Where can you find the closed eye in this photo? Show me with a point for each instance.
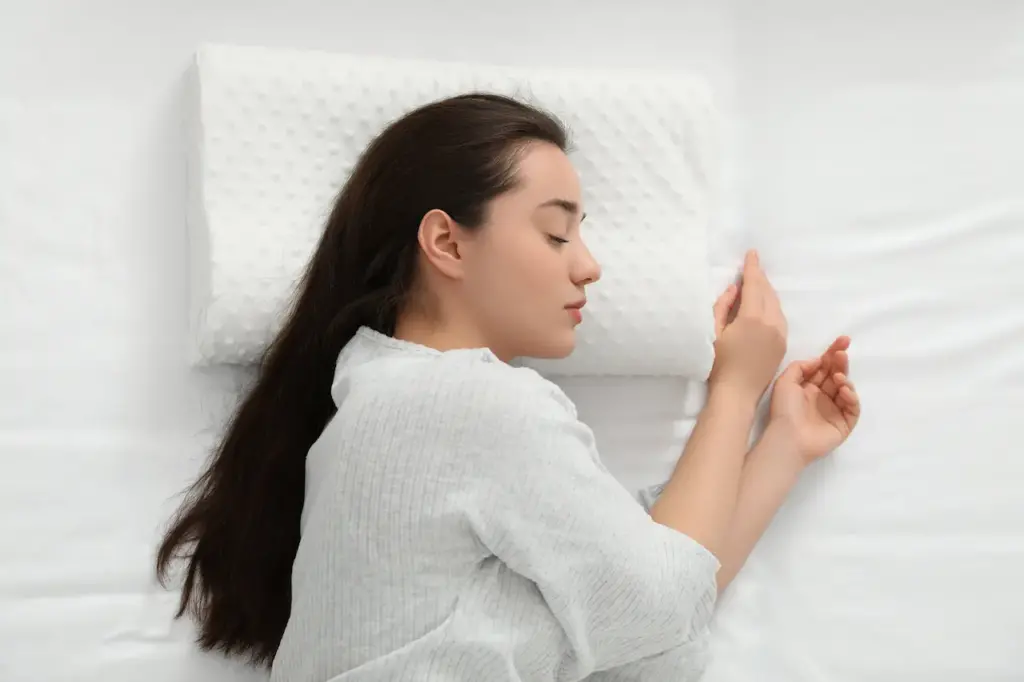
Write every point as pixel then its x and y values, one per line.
pixel 557 240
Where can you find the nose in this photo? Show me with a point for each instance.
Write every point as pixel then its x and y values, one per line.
pixel 587 270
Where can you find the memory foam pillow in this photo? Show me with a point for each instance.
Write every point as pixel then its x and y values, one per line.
pixel 275 134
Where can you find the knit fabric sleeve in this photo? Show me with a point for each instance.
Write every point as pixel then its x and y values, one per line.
pixel 624 588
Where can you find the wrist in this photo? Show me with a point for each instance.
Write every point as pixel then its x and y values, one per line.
pixel 735 410
pixel 781 442
pixel 735 394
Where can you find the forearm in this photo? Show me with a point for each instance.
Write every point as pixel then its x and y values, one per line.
pixel 700 498
pixel 769 474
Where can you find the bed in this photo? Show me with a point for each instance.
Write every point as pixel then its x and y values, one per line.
pixel 877 166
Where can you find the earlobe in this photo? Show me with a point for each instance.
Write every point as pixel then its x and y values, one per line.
pixel 438 237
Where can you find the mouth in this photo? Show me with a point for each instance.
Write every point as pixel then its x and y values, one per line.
pixel 574 311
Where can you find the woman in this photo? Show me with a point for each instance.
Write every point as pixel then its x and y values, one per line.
pixel 393 500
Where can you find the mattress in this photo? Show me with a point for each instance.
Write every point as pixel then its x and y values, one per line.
pixel 878 160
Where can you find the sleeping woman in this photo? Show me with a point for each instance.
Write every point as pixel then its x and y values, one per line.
pixel 395 500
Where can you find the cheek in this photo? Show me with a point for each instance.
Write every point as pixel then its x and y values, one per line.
pixel 516 273
pixel 537 269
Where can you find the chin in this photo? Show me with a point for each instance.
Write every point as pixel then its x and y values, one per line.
pixel 557 346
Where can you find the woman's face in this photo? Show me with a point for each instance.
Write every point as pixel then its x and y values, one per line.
pixel 525 273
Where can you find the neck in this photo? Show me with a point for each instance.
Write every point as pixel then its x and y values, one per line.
pixel 417 328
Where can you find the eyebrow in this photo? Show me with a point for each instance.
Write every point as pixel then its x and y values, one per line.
pixel 570 207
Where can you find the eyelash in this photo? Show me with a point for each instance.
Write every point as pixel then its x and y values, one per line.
pixel 557 240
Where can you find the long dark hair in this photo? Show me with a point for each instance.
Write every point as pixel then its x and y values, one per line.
pixel 238 526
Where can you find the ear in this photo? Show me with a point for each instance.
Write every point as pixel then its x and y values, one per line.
pixel 439 237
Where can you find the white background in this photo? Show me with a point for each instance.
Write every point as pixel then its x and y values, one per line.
pixel 880 158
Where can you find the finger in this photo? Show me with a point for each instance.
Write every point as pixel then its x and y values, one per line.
pixel 832 384
pixel 723 306
pixel 752 299
pixel 751 262
pixel 810 367
pixel 850 401
pixel 798 371
pixel 833 362
pixel 841 362
pixel 766 282
pixel 841 343
pixel 773 308
pixel 824 370
pixel 794 373
pixel 839 358
pixel 771 304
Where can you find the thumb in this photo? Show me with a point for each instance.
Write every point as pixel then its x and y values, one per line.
pixel 722 307
pixel 799 371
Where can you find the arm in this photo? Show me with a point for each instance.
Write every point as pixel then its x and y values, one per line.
pixel 701 496
pixel 768 473
pixel 771 470
pixel 622 587
pixel 814 409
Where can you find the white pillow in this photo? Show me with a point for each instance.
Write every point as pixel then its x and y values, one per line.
pixel 276 132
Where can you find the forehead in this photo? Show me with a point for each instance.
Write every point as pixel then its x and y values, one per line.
pixel 545 172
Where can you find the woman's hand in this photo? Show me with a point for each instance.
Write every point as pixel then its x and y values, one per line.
pixel 750 345
pixel 700 498
pixel 814 405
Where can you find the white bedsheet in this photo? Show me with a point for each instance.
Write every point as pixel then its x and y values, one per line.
pixel 882 167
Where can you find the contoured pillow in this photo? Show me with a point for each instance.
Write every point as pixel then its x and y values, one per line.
pixel 275 133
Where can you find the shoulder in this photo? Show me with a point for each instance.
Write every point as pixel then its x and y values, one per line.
pixel 489 387
pixel 466 383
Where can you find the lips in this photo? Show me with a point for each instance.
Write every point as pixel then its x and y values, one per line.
pixel 574 310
